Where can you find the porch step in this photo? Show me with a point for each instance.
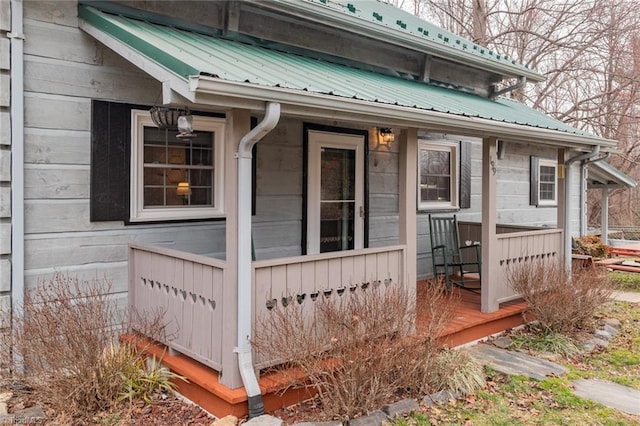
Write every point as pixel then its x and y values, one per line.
pixel 204 388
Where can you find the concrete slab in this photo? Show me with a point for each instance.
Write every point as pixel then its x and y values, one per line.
pixel 610 394
pixel 515 363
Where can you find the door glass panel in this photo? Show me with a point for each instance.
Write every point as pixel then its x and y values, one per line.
pixel 336 226
pixel 337 199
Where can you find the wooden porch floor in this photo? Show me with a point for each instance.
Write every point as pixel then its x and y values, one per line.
pixel 468 324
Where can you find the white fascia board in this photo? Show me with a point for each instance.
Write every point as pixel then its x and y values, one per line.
pixel 155 70
pixel 351 109
pixel 327 16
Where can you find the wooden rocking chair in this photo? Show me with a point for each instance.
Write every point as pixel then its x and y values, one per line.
pixel 451 259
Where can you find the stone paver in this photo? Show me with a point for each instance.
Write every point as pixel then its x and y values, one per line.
pixel 265 420
pixel 610 394
pixel 374 418
pixel 515 363
pixel 626 296
pixel 401 408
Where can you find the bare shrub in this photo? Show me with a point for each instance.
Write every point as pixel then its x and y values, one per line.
pixel 359 350
pixel 65 337
pixel 561 303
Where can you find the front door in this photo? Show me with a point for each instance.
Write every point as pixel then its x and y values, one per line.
pixel 335 200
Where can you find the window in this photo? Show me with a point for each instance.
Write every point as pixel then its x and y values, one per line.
pixel 438 175
pixel 171 178
pixel 544 182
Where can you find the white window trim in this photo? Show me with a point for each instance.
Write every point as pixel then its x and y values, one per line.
pixel 454 149
pixel 141 119
pixel 548 163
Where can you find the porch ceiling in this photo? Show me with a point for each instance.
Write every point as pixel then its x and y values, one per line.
pixel 211 70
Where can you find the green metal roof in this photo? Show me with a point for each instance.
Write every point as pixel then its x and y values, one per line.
pixel 375 14
pixel 188 53
pixel 604 175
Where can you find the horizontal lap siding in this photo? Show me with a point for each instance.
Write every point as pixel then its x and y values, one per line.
pixel 64 70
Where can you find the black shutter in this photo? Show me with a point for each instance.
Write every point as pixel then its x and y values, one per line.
pixel 534 176
pixel 465 175
pixel 110 157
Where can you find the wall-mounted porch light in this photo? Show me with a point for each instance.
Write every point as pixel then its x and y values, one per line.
pixel 385 138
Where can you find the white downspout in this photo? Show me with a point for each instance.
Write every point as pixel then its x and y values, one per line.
pixel 567 207
pixel 245 361
pixel 17 159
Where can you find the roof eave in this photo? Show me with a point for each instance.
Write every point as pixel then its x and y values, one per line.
pixel 349 109
pixel 331 17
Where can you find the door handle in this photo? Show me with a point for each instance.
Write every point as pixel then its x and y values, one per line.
pixel 361 212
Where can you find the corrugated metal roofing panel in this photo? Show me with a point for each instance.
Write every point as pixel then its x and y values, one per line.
pixel 602 174
pixel 387 15
pixel 188 53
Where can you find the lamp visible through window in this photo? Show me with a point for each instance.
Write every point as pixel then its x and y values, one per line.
pixel 183 189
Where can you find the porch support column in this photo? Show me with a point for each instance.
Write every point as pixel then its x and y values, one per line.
pixel 407 203
pixel 489 299
pixel 561 197
pixel 604 216
pixel 563 203
pixel 238 124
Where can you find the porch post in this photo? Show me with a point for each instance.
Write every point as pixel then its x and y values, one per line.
pixel 562 202
pixel 489 302
pixel 604 216
pixel 238 124
pixel 407 185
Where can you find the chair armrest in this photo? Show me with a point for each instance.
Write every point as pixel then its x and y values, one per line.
pixel 470 246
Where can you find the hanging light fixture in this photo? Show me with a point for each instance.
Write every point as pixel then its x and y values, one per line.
pixel 185 126
pixel 165 117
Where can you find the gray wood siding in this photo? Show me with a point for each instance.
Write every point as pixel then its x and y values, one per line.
pixel 277 230
pixel 64 70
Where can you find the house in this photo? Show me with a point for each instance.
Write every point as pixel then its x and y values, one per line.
pixel 293 105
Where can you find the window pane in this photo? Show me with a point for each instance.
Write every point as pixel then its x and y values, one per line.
pixel 337 174
pixel 547 191
pixel 547 183
pixel 169 161
pixel 435 175
pixel 336 226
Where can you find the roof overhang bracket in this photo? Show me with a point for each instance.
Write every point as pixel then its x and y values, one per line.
pixel 231 17
pixel 522 80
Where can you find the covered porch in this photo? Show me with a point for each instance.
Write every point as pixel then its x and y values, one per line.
pixel 211 305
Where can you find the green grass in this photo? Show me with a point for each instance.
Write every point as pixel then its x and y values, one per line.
pixel 626 281
pixel 519 400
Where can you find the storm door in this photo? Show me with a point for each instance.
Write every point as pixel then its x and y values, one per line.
pixel 335 193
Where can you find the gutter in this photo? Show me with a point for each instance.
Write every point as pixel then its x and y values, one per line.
pixel 211 91
pixel 17 160
pixel 567 197
pixel 522 80
pixel 245 361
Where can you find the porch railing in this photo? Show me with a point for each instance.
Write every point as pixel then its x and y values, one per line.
pixel 303 280
pixel 186 289
pixel 515 245
pixel 516 248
